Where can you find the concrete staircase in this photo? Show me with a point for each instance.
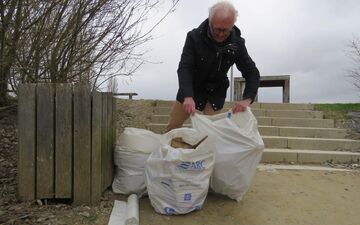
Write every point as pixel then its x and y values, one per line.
pixel 292 133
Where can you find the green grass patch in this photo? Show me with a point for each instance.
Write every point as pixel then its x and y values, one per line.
pixel 337 110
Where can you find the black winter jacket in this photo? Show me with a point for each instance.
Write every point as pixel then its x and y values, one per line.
pixel 204 64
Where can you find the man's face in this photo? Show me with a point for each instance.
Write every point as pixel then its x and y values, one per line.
pixel 220 27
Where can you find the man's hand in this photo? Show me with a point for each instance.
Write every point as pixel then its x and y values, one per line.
pixel 240 106
pixel 189 105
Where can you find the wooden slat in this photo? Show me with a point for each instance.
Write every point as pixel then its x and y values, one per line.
pixel 111 135
pixel 82 146
pixel 96 185
pixel 104 148
pixel 26 140
pixel 109 140
pixel 45 142
pixel 63 141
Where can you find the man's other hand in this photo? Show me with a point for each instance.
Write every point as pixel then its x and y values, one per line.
pixel 189 105
pixel 240 106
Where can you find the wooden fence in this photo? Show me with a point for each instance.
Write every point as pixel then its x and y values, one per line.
pixel 66 141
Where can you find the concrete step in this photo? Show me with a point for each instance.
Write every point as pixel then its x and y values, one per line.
pixel 326 144
pixel 286 106
pixel 309 132
pixel 159 128
pixel 278 106
pixel 262 113
pixel 275 167
pixel 296 122
pixel 270 121
pixel 286 142
pixel 301 156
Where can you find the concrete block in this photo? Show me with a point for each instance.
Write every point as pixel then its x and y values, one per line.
pixel 296 122
pixel 264 121
pixel 259 112
pixel 324 144
pixel 295 114
pixel 278 156
pixel 312 132
pixel 313 156
pixel 286 106
pixel 275 142
pixel 269 130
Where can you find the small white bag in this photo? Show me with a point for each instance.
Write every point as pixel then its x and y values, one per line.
pixel 239 147
pixel 132 149
pixel 178 178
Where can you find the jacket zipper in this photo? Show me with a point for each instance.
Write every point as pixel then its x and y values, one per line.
pixel 217 56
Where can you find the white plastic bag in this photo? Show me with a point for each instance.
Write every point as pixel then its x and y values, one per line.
pixel 239 147
pixel 178 178
pixel 133 148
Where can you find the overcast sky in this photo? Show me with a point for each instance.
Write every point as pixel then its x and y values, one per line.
pixel 306 39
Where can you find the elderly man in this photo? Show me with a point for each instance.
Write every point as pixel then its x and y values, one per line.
pixel 209 51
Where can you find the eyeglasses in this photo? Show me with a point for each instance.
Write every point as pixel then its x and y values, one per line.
pixel 220 30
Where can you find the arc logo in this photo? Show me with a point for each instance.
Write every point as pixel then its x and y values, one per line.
pixel 169 210
pixel 197 165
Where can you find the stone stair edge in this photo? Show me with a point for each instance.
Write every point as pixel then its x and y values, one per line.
pixel 265 109
pixel 266 126
pixel 269 126
pixel 276 118
pixel 309 138
pixel 313 151
pixel 287 137
pixel 309 106
pixel 268 167
pixel 255 103
pixel 308 156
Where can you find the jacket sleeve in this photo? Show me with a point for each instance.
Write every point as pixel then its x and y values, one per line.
pixel 249 71
pixel 187 67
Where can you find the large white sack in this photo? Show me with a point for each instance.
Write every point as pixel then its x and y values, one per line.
pixel 178 178
pixel 132 149
pixel 239 147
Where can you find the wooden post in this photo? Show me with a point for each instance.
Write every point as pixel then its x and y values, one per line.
pixel 45 142
pixel 63 141
pixel 110 139
pixel 96 156
pixel 26 138
pixel 82 146
pixel 104 143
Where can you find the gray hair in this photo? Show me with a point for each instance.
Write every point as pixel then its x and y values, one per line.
pixel 227 9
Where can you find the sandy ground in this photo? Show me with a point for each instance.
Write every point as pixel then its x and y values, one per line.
pixel 276 197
